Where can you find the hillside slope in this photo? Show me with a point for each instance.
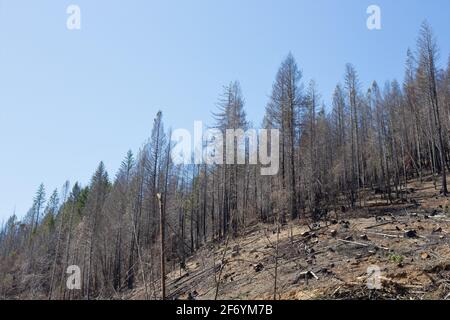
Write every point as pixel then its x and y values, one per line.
pixel 408 242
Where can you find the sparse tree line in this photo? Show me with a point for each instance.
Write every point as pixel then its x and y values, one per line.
pixel 372 141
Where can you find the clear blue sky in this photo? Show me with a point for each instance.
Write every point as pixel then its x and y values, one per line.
pixel 69 99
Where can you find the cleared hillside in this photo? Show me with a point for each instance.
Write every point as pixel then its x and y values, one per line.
pixel 408 241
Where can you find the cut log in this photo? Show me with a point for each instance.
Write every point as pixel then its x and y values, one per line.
pixel 305 276
pixel 363 244
pixel 379 225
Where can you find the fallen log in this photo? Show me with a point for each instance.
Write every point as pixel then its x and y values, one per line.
pixel 353 242
pixel 384 235
pixel 305 276
pixel 379 225
pixel 363 244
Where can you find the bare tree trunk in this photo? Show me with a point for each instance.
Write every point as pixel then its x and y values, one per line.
pixel 162 236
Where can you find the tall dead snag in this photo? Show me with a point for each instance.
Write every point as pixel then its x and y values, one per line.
pixel 58 240
pixel 230 116
pixel 100 187
pixel 163 263
pixel 428 55
pixel 352 86
pixel 283 112
pixel 276 260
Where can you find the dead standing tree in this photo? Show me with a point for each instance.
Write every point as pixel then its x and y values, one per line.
pixel 162 236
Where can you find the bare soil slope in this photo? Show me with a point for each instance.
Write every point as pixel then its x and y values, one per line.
pixel 408 242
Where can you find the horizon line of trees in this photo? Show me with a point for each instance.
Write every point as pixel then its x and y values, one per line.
pixel 372 141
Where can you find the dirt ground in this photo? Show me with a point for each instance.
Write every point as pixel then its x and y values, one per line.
pixel 402 249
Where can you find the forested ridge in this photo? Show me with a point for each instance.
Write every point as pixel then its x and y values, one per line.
pixel 370 140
